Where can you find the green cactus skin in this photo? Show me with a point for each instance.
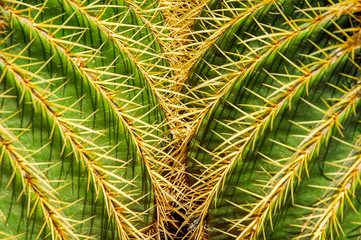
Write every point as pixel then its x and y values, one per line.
pixel 74 105
pixel 255 135
pixel 282 135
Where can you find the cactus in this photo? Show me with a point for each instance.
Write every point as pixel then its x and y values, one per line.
pixel 128 119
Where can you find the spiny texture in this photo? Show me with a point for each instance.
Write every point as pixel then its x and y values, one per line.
pixel 276 155
pixel 78 119
pixel 180 119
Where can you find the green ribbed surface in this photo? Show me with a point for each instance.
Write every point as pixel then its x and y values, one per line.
pixel 94 132
pixel 269 137
pixel 243 39
pixel 74 105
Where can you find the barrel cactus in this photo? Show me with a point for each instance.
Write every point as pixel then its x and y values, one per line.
pixel 161 119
